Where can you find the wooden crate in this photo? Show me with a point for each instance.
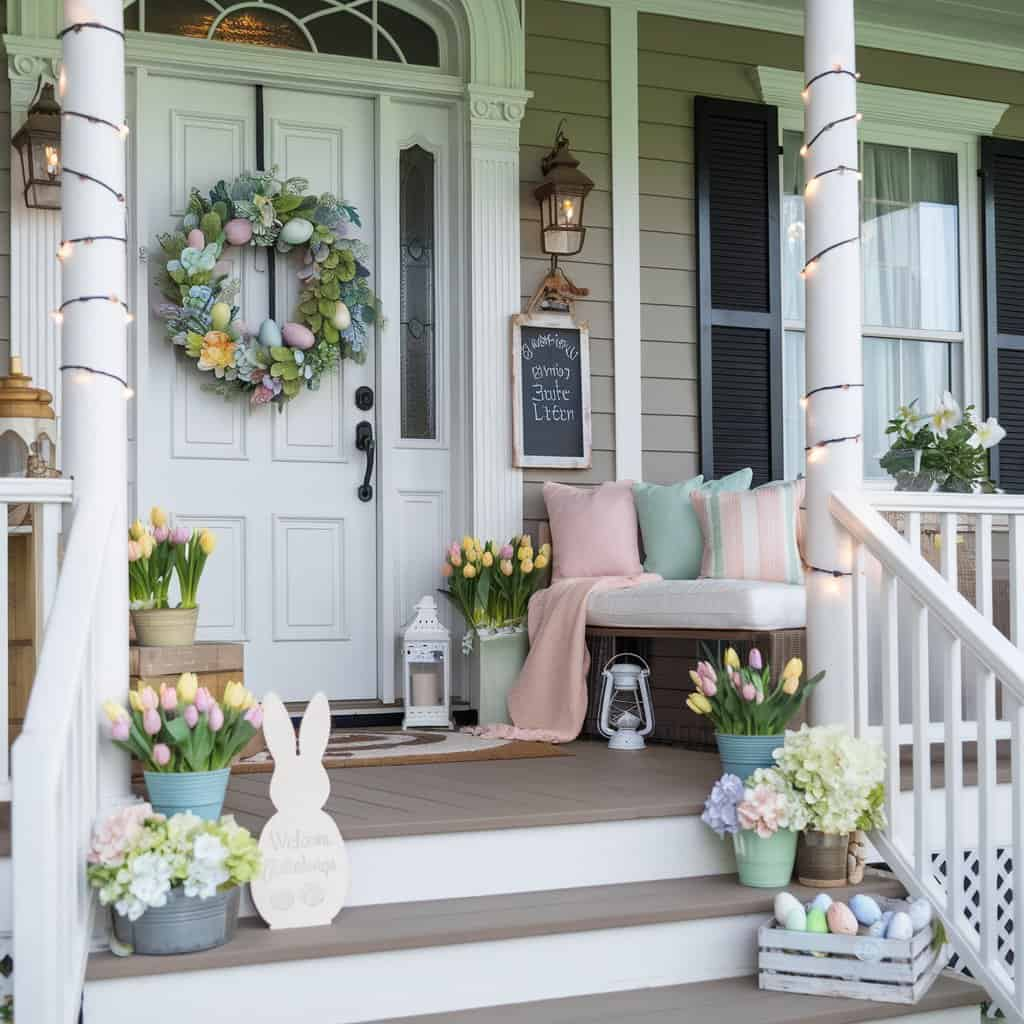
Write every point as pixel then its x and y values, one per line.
pixel 855 966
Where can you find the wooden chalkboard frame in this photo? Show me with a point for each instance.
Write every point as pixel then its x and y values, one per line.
pixel 563 321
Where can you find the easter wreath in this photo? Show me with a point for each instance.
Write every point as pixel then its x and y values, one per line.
pixel 336 306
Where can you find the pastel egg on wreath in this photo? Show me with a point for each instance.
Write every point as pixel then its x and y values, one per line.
pixel 220 315
pixel 238 231
pixel 196 239
pixel 298 336
pixel 296 231
pixel 840 920
pixel 785 902
pixel 269 333
pixel 865 909
pixel 342 318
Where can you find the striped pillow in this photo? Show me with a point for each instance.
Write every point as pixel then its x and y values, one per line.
pixel 751 535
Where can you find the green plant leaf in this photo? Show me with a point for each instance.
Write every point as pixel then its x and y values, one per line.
pixel 282 354
pixel 326 308
pixel 291 387
pixel 330 332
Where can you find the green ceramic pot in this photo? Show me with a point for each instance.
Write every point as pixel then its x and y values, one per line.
pixel 765 863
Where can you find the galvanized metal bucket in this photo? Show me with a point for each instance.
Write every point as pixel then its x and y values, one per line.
pixel 185 924
pixel 202 793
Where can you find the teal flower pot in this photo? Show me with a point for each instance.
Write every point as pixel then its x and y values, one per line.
pixel 202 793
pixel 765 863
pixel 743 755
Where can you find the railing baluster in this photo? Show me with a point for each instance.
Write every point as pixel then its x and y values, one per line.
pixel 983 562
pixel 1015 710
pixel 913 533
pixel 954 775
pixel 922 744
pixel 891 690
pixel 860 642
pixel 948 552
pixel 986 817
pixel 1016 558
pixel 5 742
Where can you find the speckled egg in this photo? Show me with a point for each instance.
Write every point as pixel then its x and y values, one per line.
pixel 342 319
pixel 920 914
pixel 195 239
pixel 238 231
pixel 220 315
pixel 298 336
pixel 269 333
pixel 900 927
pixel 865 909
pixel 796 919
pixel 840 920
pixel 821 902
pixel 296 231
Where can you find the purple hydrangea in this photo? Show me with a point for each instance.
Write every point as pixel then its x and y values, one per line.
pixel 720 807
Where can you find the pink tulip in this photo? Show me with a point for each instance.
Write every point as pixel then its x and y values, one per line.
pixel 507 552
pixel 709 688
pixel 455 550
pixel 737 681
pixel 134 551
pixel 161 754
pixel 151 722
pixel 446 570
pixel 215 719
pixel 180 535
pixel 203 699
pixel 148 698
pixel 120 729
pixel 254 716
pixel 160 534
pixel 168 697
pixel 191 716
pixel 707 670
pixel 754 659
pixel 749 691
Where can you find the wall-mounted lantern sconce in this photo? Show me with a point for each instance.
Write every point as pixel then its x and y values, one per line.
pixel 38 144
pixel 561 196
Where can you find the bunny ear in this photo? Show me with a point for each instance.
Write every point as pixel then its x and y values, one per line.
pixel 277 729
pixel 315 729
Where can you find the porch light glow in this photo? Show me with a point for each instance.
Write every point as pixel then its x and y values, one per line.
pixel 38 144
pixel 561 196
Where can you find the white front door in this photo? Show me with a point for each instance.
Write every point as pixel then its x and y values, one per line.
pixel 295 572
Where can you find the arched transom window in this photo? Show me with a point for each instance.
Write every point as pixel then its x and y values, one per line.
pixel 372 29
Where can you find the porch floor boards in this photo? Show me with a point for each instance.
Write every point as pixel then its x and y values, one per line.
pixel 595 784
pixel 726 1001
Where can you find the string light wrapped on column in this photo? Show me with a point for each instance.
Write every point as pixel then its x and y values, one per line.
pixel 85 372
pixel 66 248
pixel 121 129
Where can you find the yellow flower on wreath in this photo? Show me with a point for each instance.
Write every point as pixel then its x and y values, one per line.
pixel 217 352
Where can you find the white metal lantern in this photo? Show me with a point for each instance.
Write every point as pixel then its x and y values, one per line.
pixel 626 713
pixel 426 669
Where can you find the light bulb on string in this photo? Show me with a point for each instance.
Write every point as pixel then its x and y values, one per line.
pixel 57 316
pixel 127 392
pixel 65 251
pixel 128 317
pixel 123 131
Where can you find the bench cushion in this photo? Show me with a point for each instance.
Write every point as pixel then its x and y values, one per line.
pixel 700 604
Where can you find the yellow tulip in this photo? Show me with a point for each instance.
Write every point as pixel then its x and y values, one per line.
pixel 794 669
pixel 469 571
pixel 790 684
pixel 114 711
pixel 696 680
pixel 234 694
pixel 467 543
pixel 136 530
pixel 248 701
pixel 545 550
pixel 157 516
pixel 527 566
pixel 488 559
pixel 525 541
pixel 133 699
pixel 731 659
pixel 524 552
pixel 506 567
pixel 188 683
pixel 698 703
pixel 207 542
pixel 146 544
pixel 540 561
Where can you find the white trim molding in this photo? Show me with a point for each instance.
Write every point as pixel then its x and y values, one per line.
pixel 882 104
pixel 627 308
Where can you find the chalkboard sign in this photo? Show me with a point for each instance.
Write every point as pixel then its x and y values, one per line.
pixel 551 382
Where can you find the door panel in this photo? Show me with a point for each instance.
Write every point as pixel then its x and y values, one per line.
pixel 294 574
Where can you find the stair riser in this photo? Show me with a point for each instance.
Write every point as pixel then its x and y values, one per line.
pixel 456 864
pixel 345 990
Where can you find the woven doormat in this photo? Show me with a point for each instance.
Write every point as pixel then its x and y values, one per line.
pixel 372 748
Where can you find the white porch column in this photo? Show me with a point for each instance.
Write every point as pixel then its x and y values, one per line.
pixel 93 334
pixel 496 490
pixel 833 347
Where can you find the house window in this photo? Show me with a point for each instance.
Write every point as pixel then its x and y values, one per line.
pixel 357 28
pixel 911 272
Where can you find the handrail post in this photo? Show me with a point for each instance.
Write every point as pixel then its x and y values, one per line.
pixel 94 331
pixel 833 343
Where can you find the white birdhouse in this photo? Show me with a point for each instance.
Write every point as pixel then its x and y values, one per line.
pixel 426 651
pixel 626 713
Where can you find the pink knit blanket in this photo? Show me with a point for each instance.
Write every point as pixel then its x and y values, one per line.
pixel 549 701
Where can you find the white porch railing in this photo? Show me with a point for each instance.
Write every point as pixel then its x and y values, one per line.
pixel 45 498
pixel 55 791
pixel 963 689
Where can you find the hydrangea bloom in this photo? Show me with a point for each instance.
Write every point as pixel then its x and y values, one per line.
pixel 720 807
pixel 113 837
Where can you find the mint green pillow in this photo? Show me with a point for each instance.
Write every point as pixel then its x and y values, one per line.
pixel 673 541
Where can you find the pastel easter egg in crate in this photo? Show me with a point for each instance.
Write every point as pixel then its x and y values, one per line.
pixel 796 919
pixel 920 914
pixel 840 920
pixel 900 927
pixel 865 909
pixel 820 902
pixel 785 902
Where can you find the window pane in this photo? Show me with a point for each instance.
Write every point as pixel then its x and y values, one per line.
pixel 881 399
pixel 415 38
pixel 792 228
pixel 261 28
pixel 910 238
pixel 343 34
pixel 793 413
pixel 419 400
pixel 926 372
pixel 182 18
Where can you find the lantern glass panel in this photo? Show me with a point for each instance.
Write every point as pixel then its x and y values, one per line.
pixel 562 217
pixel 426 680
pixel 40 168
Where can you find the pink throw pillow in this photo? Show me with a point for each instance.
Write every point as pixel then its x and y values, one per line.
pixel 593 531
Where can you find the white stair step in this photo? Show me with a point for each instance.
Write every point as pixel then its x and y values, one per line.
pixel 725 1001
pixel 454 954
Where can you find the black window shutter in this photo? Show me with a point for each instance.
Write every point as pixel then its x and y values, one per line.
pixel 740 287
pixel 1002 166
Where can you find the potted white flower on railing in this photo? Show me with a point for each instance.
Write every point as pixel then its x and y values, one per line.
pixel 945 450
pixel 173 882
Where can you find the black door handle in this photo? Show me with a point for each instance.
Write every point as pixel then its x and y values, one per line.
pixel 366 443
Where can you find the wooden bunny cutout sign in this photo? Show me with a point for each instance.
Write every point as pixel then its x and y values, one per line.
pixel 305 865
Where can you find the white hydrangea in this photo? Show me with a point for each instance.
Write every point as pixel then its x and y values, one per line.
pixel 150 884
pixel 838 778
pixel 207 870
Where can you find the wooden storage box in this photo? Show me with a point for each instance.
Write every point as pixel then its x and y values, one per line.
pixel 855 966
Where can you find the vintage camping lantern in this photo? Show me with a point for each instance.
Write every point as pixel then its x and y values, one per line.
pixel 426 668
pixel 561 196
pixel 626 714
pixel 38 144
pixel 27 426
